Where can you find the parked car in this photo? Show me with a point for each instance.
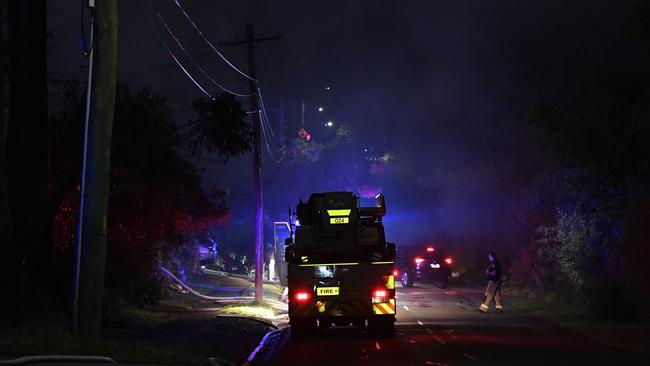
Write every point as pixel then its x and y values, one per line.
pixel 426 264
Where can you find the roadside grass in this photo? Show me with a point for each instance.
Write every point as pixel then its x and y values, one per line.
pixel 53 339
pixel 180 300
pixel 140 336
pixel 628 336
pixel 272 287
pixel 254 309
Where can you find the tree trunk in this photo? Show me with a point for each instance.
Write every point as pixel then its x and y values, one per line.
pixel 93 243
pixel 5 217
pixel 7 260
pixel 26 147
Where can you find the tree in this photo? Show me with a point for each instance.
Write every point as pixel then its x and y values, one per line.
pixel 597 150
pixel 157 203
pixel 28 250
pixel 219 127
pixel 5 217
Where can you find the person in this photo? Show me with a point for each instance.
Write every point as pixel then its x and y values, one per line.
pixel 493 288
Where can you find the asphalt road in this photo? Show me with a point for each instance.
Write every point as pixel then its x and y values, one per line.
pixel 442 327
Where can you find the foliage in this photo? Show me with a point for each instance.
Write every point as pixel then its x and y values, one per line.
pixel 566 245
pixel 595 159
pixel 301 151
pixel 598 170
pixel 638 27
pixel 156 202
pixel 220 127
pixel 317 164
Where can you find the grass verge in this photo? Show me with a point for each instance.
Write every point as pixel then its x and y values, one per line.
pixel 634 337
pixel 253 309
pixel 139 336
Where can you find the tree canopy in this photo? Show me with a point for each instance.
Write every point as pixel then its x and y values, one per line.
pixel 156 202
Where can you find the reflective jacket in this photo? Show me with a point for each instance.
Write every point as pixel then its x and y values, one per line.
pixel 494 267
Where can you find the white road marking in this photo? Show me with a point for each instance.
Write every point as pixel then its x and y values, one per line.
pixel 405 307
pixel 440 340
pixel 470 356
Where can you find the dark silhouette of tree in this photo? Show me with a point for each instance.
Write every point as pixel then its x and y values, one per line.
pixel 219 127
pixel 5 217
pixel 596 161
pixel 27 252
pixel 638 27
pixel 156 203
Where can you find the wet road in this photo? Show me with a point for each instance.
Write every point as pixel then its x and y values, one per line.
pixel 442 327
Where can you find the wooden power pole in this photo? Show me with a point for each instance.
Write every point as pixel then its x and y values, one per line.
pixel 91 263
pixel 250 43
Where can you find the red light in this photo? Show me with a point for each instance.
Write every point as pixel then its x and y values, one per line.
pixel 431 249
pixel 448 260
pixel 302 296
pixel 379 293
pixel 395 273
pixel 419 260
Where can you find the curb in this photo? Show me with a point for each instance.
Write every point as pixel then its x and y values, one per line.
pixel 268 348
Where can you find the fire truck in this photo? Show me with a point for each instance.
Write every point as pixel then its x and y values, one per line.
pixel 340 267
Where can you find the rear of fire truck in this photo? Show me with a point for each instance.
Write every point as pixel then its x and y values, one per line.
pixel 340 268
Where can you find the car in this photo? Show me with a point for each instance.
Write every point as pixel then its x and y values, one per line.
pixel 426 264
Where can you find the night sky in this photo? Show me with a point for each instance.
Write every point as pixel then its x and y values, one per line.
pixel 441 86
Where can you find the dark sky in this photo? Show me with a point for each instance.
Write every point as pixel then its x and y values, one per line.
pixel 443 86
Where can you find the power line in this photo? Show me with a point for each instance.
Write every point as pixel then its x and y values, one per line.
pixel 189 56
pixel 266 124
pixel 267 130
pixel 265 115
pixel 178 62
pixel 187 16
pixel 266 140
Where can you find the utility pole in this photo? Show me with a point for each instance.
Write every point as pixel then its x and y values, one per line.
pixel 91 250
pixel 250 43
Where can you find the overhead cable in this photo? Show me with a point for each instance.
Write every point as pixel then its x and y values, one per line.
pixel 189 56
pixel 266 140
pixel 178 62
pixel 265 115
pixel 187 16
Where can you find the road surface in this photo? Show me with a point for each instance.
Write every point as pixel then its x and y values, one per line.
pixel 442 327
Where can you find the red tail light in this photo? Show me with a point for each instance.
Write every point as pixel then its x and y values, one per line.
pixel 302 296
pixel 448 260
pixel 431 249
pixel 419 260
pixel 395 273
pixel 380 293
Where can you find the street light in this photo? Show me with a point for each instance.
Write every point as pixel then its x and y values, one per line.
pixel 329 123
pixel 320 109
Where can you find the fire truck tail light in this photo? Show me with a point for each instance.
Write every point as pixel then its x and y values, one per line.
pixel 395 273
pixel 302 296
pixel 448 260
pixel 419 260
pixel 379 293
